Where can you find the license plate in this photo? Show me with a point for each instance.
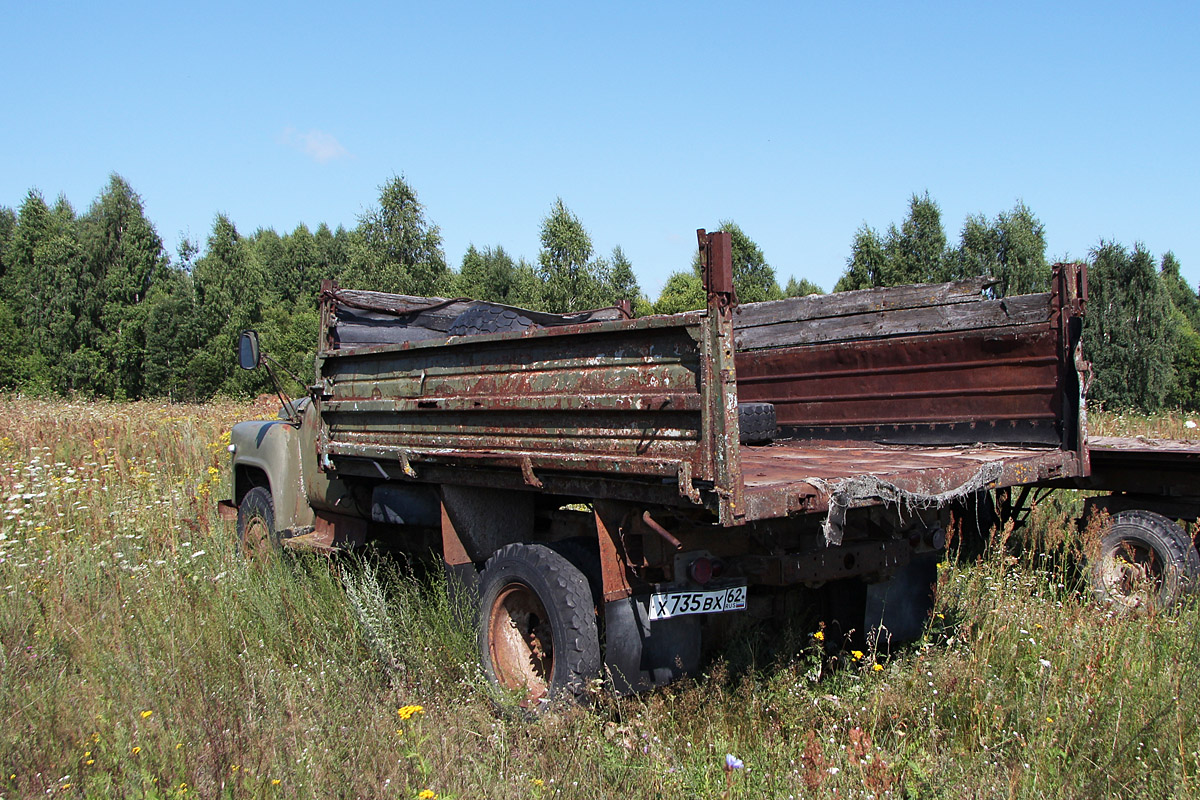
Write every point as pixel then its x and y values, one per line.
pixel 664 605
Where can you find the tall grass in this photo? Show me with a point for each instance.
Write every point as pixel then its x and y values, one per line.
pixel 139 657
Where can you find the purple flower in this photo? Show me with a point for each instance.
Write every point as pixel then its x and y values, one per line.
pixel 732 762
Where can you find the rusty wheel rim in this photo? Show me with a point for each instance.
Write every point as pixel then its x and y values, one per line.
pixel 520 641
pixel 256 539
pixel 1133 574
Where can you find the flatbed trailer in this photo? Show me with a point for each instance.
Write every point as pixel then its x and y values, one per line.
pixel 593 473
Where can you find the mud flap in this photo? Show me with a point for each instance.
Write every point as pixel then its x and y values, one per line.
pixel 897 608
pixel 640 654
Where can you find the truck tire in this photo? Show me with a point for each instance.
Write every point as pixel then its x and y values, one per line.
pixel 537 628
pixel 257 537
pixel 756 423
pixel 1146 562
pixel 487 319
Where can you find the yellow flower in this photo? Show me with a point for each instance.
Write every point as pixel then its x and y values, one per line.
pixel 426 794
pixel 146 714
pixel 179 746
pixel 819 636
pixel 90 761
pixel 878 667
pixel 538 782
pixel 407 712
pixel 857 654
pixel 136 750
pixel 234 768
pixel 275 781
pixel 1049 719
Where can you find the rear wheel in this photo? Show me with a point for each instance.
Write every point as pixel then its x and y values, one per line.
pixel 257 537
pixel 1146 562
pixel 537 626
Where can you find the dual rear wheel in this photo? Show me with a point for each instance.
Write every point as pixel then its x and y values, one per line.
pixel 537 631
pixel 1145 562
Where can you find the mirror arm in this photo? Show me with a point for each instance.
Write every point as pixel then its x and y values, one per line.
pixel 266 361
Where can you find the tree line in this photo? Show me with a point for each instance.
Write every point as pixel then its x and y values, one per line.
pixel 92 304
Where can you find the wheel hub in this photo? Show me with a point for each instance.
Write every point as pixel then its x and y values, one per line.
pixel 521 641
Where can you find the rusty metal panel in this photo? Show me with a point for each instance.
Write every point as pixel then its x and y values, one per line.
pixel 936 364
pixel 802 476
pixel 609 397
pixel 944 378
pixel 719 377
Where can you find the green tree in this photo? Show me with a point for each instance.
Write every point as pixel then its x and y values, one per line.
pixel 1186 322
pixel 396 248
pixel 8 224
pixel 230 292
pixel 867 263
pixel 623 284
pixel 487 274
pixel 45 285
pixel 1128 331
pixel 916 251
pixel 572 280
pixel 125 259
pixel 1011 249
pixel 801 288
pixel 683 291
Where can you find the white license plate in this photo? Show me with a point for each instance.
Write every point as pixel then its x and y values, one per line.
pixel 664 605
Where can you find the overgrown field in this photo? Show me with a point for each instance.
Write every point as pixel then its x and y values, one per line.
pixel 139 657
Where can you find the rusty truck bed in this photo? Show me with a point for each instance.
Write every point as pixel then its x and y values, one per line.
pixel 884 394
pixel 804 476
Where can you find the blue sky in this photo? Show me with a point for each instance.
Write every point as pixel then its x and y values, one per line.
pixel 798 121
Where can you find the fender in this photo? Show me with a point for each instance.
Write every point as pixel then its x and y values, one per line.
pixel 267 453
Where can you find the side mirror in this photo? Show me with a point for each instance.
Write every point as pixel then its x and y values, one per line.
pixel 248 356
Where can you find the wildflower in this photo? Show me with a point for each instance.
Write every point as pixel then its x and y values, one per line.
pixel 136 750
pixel 732 762
pixel 538 782
pixel 275 781
pixel 819 636
pixel 90 761
pixel 878 667
pixel 179 746
pixel 427 794
pixel 1044 663
pixel 407 712
pixel 856 655
pixel 1049 719
pixel 146 714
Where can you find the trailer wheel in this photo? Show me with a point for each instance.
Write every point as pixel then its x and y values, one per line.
pixel 488 319
pixel 257 537
pixel 756 423
pixel 1146 562
pixel 537 625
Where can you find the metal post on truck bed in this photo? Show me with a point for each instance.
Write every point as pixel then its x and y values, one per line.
pixel 719 378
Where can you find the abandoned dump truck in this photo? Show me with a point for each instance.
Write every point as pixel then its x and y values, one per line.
pixel 619 492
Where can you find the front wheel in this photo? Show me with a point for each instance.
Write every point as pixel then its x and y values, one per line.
pixel 257 537
pixel 537 626
pixel 1145 562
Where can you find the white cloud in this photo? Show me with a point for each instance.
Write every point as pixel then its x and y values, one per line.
pixel 317 145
